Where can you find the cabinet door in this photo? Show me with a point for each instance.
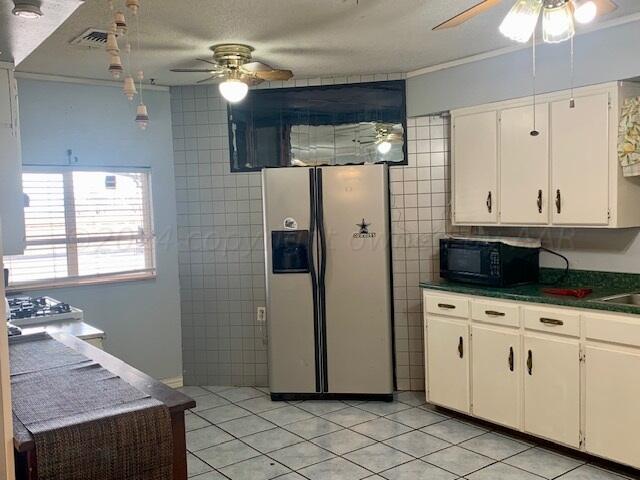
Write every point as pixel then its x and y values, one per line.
pixel 475 168
pixel 524 166
pixel 496 375
pixel 612 393
pixel 6 105
pixel 580 161
pixel 448 362
pixel 11 198
pixel 552 389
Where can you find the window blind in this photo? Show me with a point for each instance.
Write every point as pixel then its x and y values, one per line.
pixel 83 227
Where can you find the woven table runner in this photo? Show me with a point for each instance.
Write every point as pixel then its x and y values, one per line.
pixel 88 424
pixel 48 352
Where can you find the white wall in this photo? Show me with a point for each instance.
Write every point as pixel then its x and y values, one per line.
pixel 587 249
pixel 600 56
pixel 141 319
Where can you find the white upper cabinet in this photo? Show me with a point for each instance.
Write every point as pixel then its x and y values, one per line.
pixel 11 197
pixel 580 160
pixel 6 110
pixel 475 150
pixel 524 173
pixel 568 175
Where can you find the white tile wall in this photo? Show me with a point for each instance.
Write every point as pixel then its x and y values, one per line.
pixel 221 252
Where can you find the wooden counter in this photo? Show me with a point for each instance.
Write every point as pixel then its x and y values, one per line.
pixel 174 400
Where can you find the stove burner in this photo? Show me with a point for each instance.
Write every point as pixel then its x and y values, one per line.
pixel 28 307
pixel 12 330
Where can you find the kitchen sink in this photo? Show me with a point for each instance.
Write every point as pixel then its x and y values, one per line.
pixel 624 299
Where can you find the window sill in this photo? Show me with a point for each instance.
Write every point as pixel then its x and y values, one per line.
pixel 110 279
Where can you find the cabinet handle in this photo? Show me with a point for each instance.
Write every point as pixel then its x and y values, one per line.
pixel 551 321
pixel 539 201
pixel 489 203
pixel 446 306
pixel 511 365
pixel 558 201
pixel 493 313
pixel 530 362
pixel 461 347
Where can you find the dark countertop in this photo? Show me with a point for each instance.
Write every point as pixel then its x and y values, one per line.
pixel 604 284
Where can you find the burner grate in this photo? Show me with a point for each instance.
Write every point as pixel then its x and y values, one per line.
pixel 30 307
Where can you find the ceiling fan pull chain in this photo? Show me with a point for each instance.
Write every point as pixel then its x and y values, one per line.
pixel 534 132
pixel 572 102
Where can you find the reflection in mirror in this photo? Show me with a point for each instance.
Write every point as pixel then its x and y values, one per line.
pixel 319 125
pixel 365 142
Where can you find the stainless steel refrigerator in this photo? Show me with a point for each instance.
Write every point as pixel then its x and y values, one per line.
pixel 327 247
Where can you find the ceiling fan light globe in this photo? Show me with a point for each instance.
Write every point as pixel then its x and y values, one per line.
pixel 557 24
pixel 585 11
pixel 521 20
pixel 384 147
pixel 233 90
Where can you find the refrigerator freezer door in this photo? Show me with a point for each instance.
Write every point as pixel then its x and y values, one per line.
pixel 357 281
pixel 290 300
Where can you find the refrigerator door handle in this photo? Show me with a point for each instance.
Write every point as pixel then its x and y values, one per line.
pixel 312 270
pixel 321 276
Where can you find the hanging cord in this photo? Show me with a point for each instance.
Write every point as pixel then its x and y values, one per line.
pixel 534 132
pixel 138 54
pixel 564 274
pixel 572 102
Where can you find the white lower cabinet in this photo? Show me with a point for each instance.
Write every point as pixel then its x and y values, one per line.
pixel 552 388
pixel 568 375
pixel 612 392
pixel 496 374
pixel 448 361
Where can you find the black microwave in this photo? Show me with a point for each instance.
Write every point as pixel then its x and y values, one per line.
pixel 490 261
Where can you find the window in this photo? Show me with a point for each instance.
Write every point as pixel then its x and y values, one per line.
pixel 84 226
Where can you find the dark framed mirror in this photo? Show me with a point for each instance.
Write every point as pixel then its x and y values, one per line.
pixel 346 124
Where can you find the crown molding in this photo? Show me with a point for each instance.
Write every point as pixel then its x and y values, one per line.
pixel 634 17
pixel 83 81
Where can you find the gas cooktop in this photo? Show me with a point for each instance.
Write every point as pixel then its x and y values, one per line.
pixel 28 310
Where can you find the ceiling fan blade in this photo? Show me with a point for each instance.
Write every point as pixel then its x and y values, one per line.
pixel 251 80
pixel 468 14
pixel 272 75
pixel 208 79
pixel 193 70
pixel 208 61
pixel 605 6
pixel 256 67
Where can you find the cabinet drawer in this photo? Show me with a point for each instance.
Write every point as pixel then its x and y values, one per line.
pixel 607 328
pixel 450 306
pixel 496 313
pixel 552 321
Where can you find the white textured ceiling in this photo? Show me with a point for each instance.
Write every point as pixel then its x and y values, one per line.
pixel 19 37
pixel 311 37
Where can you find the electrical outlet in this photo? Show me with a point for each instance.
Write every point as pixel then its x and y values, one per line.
pixel 261 314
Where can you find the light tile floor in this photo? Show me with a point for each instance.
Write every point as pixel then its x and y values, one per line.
pixel 240 434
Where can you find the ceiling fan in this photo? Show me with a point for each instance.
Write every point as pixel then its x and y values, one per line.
pixel 232 64
pixel 520 22
pixel 386 135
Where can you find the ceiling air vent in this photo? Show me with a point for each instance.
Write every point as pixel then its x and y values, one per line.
pixel 91 38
